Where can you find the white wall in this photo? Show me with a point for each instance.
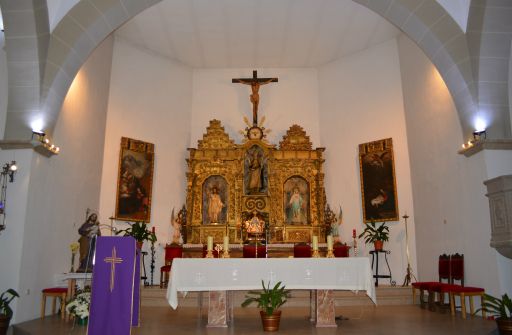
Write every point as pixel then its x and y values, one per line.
pixel 451 210
pixel 292 100
pixel 458 10
pixel 63 186
pixel 3 86
pixel 150 98
pixel 360 99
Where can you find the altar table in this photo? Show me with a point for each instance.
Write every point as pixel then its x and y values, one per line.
pixel 218 275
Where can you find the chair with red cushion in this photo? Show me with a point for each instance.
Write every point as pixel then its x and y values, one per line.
pixel 463 292
pixel 54 292
pixel 171 252
pixel 301 250
pixel 443 269
pixel 340 250
pixel 249 251
pixel 457 269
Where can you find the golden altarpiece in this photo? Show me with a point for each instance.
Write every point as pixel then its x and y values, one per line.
pixel 230 184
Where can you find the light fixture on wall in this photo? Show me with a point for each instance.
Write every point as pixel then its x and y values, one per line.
pixel 44 147
pixel 479 135
pixel 6 175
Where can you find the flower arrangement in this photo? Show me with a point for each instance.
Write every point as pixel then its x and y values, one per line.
pixel 79 305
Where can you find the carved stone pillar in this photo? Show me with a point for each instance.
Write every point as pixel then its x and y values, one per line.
pixel 499 192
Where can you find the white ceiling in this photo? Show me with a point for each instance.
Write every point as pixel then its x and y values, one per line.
pixel 256 33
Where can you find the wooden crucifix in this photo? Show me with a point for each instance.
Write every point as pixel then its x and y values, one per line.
pixel 255 83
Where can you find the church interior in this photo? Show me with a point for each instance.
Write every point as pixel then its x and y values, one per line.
pixel 432 77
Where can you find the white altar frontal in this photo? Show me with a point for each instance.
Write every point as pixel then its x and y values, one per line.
pixel 218 275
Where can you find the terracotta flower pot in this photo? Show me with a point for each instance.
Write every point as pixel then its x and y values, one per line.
pixel 4 324
pixel 270 322
pixel 504 326
pixel 379 245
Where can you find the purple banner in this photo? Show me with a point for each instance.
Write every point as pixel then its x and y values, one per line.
pixel 136 291
pixel 112 286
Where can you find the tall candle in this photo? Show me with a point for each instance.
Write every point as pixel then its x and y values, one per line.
pixel 329 242
pixel 315 242
pixel 226 243
pixel 209 244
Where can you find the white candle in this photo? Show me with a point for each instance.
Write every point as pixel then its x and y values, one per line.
pixel 315 242
pixel 226 243
pixel 329 242
pixel 209 244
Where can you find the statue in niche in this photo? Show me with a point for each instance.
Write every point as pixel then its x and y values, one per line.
pixel 296 201
pixel 215 190
pixel 255 176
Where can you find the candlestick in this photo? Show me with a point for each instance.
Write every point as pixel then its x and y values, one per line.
pixel 329 242
pixel 209 247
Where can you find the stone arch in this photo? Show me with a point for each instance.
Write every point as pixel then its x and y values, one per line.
pixel 90 21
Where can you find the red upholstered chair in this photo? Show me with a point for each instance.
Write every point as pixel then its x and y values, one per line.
pixel 340 250
pixel 249 251
pixel 54 292
pixel 171 252
pixel 463 292
pixel 301 250
pixel 457 269
pixel 443 269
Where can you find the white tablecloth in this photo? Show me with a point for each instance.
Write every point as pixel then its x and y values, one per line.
pixel 227 274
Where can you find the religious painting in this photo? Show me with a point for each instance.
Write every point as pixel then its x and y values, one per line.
pixel 135 180
pixel 215 200
pixel 296 201
pixel 378 185
pixel 255 171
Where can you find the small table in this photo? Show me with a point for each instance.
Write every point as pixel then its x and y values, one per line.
pixel 375 260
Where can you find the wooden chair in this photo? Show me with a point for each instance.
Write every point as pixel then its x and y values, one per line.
pixel 457 269
pixel 463 292
pixel 443 269
pixel 171 252
pixel 54 292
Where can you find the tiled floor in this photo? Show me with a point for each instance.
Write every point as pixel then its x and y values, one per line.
pixel 381 320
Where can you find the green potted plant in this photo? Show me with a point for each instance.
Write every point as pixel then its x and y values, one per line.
pixel 501 309
pixel 269 300
pixel 140 232
pixel 5 310
pixel 375 234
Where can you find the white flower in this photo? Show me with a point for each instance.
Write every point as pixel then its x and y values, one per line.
pixel 79 306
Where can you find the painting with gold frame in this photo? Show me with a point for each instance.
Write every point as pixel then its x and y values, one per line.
pixel 135 180
pixel 378 183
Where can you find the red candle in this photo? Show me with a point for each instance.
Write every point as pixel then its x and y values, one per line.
pixel 153 230
pixel 353 233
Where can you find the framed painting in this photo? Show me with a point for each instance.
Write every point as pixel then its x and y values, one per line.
pixel 215 200
pixel 378 184
pixel 296 201
pixel 135 180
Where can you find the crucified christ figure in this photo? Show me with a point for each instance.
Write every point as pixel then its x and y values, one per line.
pixel 255 84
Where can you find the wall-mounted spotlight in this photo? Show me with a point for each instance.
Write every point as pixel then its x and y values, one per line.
pixel 45 147
pixel 9 170
pixel 479 135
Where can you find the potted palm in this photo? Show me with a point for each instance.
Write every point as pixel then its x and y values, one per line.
pixel 5 310
pixel 269 300
pixel 140 232
pixel 375 234
pixel 501 309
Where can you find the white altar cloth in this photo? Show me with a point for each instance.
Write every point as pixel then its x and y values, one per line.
pixel 227 274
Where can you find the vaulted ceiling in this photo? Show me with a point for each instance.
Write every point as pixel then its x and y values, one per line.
pixel 248 33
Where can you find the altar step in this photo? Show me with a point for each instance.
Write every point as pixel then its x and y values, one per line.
pixel 386 295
